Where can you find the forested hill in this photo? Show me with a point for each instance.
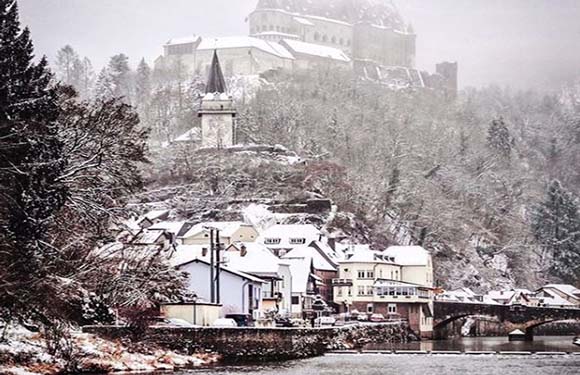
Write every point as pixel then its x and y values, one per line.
pixel 487 182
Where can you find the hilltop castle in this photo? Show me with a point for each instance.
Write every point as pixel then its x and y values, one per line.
pixel 367 36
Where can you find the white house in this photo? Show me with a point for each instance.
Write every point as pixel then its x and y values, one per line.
pixel 257 260
pixel 230 232
pixel 240 293
pixel 304 285
pixel 281 238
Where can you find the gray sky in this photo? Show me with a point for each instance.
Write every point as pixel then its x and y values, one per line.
pixel 520 43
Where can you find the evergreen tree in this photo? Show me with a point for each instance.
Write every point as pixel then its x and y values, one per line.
pixel 68 66
pixel 30 164
pixel 105 87
pixel 556 225
pixel 87 78
pixel 499 138
pixel 143 84
pixel 120 73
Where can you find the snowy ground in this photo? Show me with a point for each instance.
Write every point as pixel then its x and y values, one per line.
pixel 25 353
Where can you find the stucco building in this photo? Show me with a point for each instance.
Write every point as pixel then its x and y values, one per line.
pixel 397 283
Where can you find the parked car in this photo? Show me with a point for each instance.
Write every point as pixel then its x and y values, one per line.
pixel 362 317
pixel 284 322
pixel 324 321
pixel 377 318
pixel 224 322
pixel 242 320
pixel 162 322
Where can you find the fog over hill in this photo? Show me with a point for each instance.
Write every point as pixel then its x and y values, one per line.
pixel 520 43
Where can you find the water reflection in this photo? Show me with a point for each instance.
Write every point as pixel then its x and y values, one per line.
pixel 373 364
pixel 540 344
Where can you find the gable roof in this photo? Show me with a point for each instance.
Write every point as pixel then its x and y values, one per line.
pixel 240 274
pixel 226 228
pixel 300 270
pixel 285 232
pixel 567 289
pixel 408 255
pixel 317 50
pixel 271 48
pixel 319 261
pixel 258 260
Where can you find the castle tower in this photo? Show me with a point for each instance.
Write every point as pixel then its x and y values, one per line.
pixel 217 110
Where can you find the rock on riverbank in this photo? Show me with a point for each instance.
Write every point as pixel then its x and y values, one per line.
pixel 26 352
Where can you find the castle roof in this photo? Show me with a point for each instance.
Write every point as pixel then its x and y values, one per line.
pixel 215 81
pixel 378 12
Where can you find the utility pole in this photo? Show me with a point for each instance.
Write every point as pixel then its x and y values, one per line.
pixel 211 267
pixel 218 266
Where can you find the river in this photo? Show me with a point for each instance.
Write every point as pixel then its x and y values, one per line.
pixel 436 364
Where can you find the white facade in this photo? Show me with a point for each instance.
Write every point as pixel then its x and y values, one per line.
pixel 240 293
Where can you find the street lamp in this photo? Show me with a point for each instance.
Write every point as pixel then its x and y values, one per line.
pixel 194 299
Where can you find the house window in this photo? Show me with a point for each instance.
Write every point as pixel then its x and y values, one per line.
pixel 339 291
pixel 349 291
pixel 341 41
pixel 297 241
pixel 392 308
pixel 361 290
pixel 370 308
pixel 324 38
pixel 369 290
pixel 370 274
pixel 396 275
pixel 361 274
pixel 272 241
pixel 333 40
pixel 316 36
pixel 295 300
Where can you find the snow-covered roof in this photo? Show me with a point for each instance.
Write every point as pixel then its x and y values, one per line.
pixel 300 271
pixel 550 298
pixel 277 33
pixel 185 254
pixel 148 237
pixel 303 21
pixel 245 42
pixel 570 290
pixel 408 255
pixel 183 40
pixel 173 227
pixel 365 255
pixel 257 261
pixel 501 295
pixel 300 47
pixel 193 134
pixel 285 236
pixel 320 263
pixel 226 228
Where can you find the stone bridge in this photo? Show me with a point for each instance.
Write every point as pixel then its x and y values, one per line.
pixel 521 317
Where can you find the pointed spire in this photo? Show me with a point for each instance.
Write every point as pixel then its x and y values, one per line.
pixel 215 81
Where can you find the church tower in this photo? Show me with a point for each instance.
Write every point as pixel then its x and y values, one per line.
pixel 217 110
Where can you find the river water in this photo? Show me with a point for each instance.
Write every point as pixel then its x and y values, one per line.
pixel 430 364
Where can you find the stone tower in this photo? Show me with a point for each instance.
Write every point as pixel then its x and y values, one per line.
pixel 217 110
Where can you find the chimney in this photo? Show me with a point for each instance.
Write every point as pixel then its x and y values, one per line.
pixel 243 250
pixel 332 242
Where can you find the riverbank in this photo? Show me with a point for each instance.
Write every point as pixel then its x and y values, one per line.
pixel 260 344
pixel 27 353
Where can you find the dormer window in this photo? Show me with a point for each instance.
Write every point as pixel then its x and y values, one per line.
pixel 272 241
pixel 297 241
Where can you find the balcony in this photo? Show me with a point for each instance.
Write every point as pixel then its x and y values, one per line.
pixel 271 296
pixel 341 282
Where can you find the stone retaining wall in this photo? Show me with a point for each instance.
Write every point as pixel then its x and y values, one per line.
pixel 260 344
